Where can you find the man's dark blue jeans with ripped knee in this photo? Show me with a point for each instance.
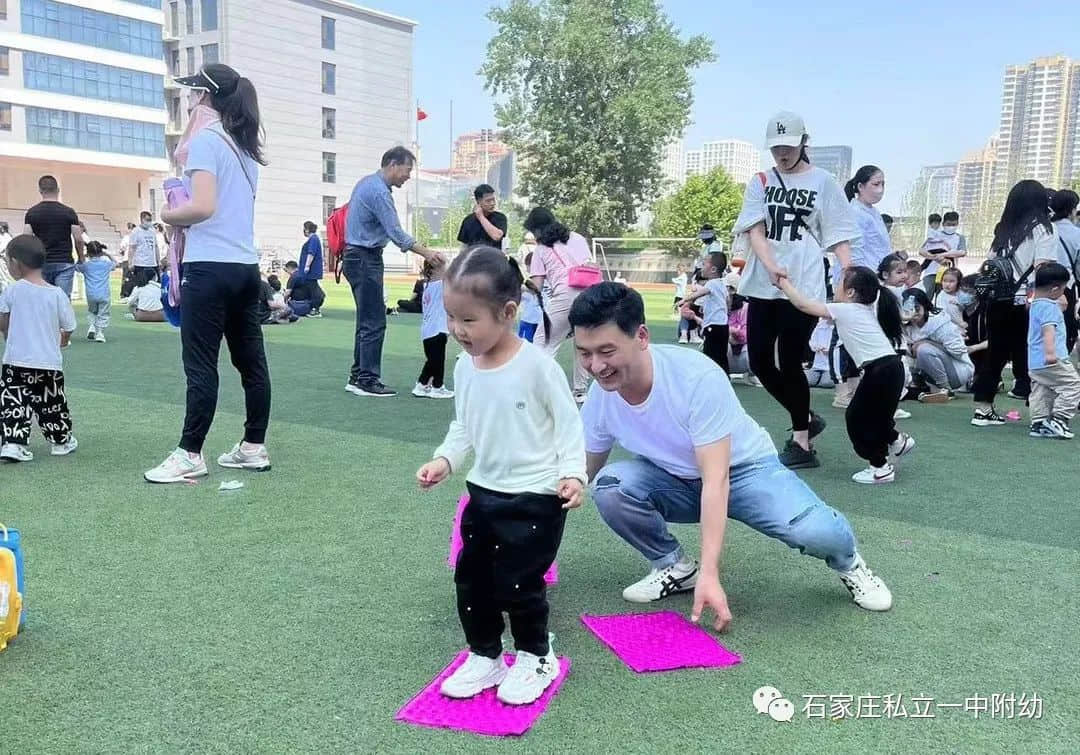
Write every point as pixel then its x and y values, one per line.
pixel 637 499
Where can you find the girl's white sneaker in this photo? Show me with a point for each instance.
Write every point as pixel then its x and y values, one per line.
pixel 529 677
pixel 474 676
pixel 63 449
pixel 875 475
pixel 422 391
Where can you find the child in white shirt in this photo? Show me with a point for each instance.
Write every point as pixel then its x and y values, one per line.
pixel 433 333
pixel 513 408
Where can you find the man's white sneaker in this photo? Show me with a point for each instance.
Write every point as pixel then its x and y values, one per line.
pixel 441 392
pixel 63 449
pixel 474 676
pixel 99 337
pixel 422 391
pixel 866 588
pixel 901 414
pixel 177 467
pixel 529 677
pixel 660 583
pixel 875 475
pixel 257 460
pixel 902 446
pixel 15 453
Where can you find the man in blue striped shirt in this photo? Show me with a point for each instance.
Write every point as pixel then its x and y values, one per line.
pixel 371 222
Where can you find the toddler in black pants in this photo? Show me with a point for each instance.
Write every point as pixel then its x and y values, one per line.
pixel 514 410
pixel 433 333
pixel 713 297
pixel 868 322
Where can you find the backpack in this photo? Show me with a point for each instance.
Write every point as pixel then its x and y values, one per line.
pixel 335 240
pixel 10 596
pixel 996 279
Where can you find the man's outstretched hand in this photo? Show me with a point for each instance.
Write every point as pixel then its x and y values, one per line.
pixel 709 594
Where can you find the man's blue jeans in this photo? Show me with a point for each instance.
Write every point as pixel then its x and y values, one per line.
pixel 59 274
pixel 363 268
pixel 637 499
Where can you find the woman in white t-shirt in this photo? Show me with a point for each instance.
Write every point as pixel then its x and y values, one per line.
pixel 1064 205
pixel 794 214
pixel 557 250
pixel 864 190
pixel 1026 235
pixel 221 280
pixel 869 324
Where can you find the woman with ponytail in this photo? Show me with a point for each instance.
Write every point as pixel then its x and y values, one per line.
pixel 221 278
pixel 869 325
pixel 864 190
pixel 794 215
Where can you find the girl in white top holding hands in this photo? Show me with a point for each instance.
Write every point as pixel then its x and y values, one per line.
pixel 794 214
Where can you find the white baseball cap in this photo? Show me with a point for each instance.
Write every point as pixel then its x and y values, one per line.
pixel 784 129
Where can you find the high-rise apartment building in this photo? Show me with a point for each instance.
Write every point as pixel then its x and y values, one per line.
pixel 672 166
pixel 835 159
pixel 739 159
pixel 939 187
pixel 82 98
pixel 692 159
pixel 476 152
pixel 975 179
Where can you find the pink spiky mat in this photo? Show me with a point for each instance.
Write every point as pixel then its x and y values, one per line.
pixel 551 576
pixel 661 641
pixel 483 714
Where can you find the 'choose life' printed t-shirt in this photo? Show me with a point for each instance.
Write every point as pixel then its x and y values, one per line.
pixel 813 206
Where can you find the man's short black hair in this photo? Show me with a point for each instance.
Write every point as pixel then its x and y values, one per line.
pixel 48 185
pixel 145 215
pixel 397 156
pixel 606 303
pixel 1051 274
pixel 950 217
pixel 482 191
pixel 131 226
pixel 310 226
pixel 934 218
pixel 291 265
pixel 28 250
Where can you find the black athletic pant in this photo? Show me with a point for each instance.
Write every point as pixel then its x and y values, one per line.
pixel 435 364
pixel 716 345
pixel 847 367
pixel 775 328
pixel 509 541
pixel 1008 326
pixel 222 299
pixel 1071 326
pixel 869 417
pixel 26 392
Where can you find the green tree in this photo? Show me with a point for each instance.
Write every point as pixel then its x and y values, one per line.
pixel 589 93
pixel 712 198
pixel 423 230
pixel 452 222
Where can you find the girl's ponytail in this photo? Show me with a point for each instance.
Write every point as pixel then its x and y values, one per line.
pixel 851 189
pixel 888 315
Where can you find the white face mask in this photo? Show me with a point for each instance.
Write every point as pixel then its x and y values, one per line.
pixel 949 229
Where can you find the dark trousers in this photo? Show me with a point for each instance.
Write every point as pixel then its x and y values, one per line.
pixel 1008 325
pixel 869 417
pixel 363 268
pixel 435 361
pixel 716 345
pixel 26 392
pixel 318 296
pixel 143 275
pixel 775 328
pixel 839 355
pixel 510 540
pixel 222 299
pixel 1071 325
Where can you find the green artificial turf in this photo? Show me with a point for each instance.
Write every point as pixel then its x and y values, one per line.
pixel 299 613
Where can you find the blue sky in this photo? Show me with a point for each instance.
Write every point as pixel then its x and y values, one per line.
pixel 905 84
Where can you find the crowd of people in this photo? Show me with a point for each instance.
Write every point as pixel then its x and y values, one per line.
pixel 812 295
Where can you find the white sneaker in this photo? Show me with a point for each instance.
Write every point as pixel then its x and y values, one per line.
pixel 684 339
pixel 903 445
pixel 474 676
pixel 442 392
pixel 238 458
pixel 177 467
pixel 99 337
pixel 529 677
pixel 15 453
pixel 867 589
pixel 422 391
pixel 696 340
pixel 901 414
pixel 63 449
pixel 90 334
pixel 660 583
pixel 751 380
pixel 875 475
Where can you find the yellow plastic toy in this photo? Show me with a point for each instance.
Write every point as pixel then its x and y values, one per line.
pixel 10 598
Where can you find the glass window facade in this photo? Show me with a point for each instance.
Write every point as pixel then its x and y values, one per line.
pixel 329 78
pixel 5 116
pixel 329 204
pixel 209 54
pixel 94 132
pixel 189 16
pixel 329 167
pixel 147 3
pixel 209 15
pixel 45 18
pixel 50 73
pixel 328 33
pixel 329 121
pixel 5 61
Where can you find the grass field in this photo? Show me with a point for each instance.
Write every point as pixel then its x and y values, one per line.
pixel 299 613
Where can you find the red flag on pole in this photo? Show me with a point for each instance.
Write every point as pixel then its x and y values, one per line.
pixel 420 114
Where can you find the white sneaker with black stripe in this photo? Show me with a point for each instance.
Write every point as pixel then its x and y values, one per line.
pixel 902 446
pixel 866 588
pixel 660 583
pixel 875 475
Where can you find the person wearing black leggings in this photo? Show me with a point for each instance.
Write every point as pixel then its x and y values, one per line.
pixel 713 299
pixel 793 215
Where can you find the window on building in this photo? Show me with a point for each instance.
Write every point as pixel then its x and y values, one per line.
pixel 329 167
pixel 189 16
pixel 70 23
pixel 62 128
pixel 190 60
pixel 80 78
pixel 5 117
pixel 329 123
pixel 3 10
pixel 209 54
pixel 329 78
pixel 174 17
pixel 174 63
pixel 328 33
pixel 329 204
pixel 5 62
pixel 209 15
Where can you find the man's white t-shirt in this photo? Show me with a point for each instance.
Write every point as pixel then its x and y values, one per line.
pixel 692 404
pixel 38 315
pixel 433 311
pixel 859 330
pixel 714 305
pixel 818 203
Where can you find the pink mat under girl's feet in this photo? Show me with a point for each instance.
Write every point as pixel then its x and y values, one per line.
pixel 661 641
